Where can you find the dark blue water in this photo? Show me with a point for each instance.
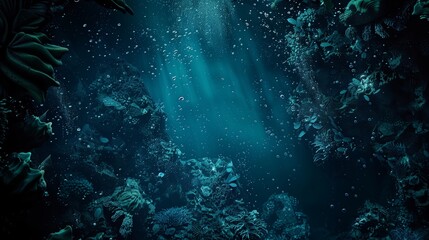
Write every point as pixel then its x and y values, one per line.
pixel 220 119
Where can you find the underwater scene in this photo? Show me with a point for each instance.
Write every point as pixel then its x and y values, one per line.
pixel 214 119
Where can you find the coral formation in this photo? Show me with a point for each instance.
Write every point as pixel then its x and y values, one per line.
pixel 29 133
pixel 64 234
pixel 18 178
pixel 122 206
pixel 373 222
pixel 246 226
pixel 283 218
pixel 73 188
pixel 173 217
pixel 421 9
pixel 27 62
pixel 360 12
pixel 128 198
pixel 348 75
pixel 170 221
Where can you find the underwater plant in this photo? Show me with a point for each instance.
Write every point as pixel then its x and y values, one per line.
pixel 128 198
pixel 373 222
pixel 18 178
pixel 64 234
pixel 246 226
pixel 375 17
pixel 323 144
pixel 421 9
pixel 29 133
pixel 123 205
pixel 365 84
pixel 127 222
pixel 360 12
pixel 27 58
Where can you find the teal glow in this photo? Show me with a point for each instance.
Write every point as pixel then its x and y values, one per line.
pixel 208 73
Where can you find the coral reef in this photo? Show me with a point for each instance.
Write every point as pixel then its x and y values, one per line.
pixel 122 206
pixel 74 188
pixel 128 102
pixel 283 218
pixel 215 183
pixel 27 62
pixel 373 222
pixel 246 225
pixel 359 12
pixel 173 221
pixel 127 198
pixel 346 75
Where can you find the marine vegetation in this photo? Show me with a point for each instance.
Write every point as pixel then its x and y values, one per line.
pixel 27 57
pixel 214 119
pixel 27 70
pixel 64 234
pixel 18 178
